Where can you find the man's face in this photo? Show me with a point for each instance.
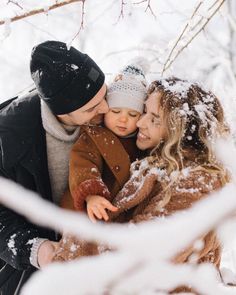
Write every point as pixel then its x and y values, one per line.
pixel 91 112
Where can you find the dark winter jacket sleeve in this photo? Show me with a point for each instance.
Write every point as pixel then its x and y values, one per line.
pixel 16 239
pixel 16 232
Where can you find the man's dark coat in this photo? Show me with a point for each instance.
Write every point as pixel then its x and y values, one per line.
pixel 23 159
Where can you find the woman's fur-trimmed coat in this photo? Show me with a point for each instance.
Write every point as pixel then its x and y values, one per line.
pixel 151 193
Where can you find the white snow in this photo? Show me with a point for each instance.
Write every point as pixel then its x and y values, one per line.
pixel 11 244
pixel 141 264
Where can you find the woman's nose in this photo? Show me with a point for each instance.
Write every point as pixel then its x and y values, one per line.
pixel 142 121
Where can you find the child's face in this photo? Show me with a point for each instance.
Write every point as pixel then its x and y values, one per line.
pixel 121 121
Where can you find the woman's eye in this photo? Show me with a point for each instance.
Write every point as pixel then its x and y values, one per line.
pixel 155 121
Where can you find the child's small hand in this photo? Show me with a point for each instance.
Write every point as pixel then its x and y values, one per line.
pixel 96 207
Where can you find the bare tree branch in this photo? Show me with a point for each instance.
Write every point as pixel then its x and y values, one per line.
pixel 40 10
pixel 142 1
pixel 181 35
pixel 15 3
pixel 170 62
pixel 203 17
pixel 121 15
pixel 82 22
pixel 213 5
pixel 148 7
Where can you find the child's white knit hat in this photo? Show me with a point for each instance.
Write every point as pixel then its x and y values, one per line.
pixel 129 90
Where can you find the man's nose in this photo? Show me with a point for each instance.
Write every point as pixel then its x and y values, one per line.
pixel 103 107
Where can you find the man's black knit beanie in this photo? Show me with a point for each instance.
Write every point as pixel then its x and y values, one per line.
pixel 65 79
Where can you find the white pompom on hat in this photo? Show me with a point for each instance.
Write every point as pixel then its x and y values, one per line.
pixel 129 90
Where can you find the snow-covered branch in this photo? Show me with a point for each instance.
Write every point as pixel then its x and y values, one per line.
pixel 57 4
pixel 190 32
pixel 81 23
pixel 181 35
pixel 120 235
pixel 143 252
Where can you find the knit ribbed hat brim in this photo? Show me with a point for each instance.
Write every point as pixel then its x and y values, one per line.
pixel 66 79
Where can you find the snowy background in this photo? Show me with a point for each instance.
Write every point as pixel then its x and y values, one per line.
pixel 190 39
pixel 115 31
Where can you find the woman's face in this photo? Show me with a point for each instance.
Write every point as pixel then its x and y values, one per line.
pixel 152 129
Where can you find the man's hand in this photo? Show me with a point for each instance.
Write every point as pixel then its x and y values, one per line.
pixel 46 252
pixel 96 208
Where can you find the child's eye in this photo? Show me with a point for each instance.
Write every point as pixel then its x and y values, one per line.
pixel 115 111
pixel 134 115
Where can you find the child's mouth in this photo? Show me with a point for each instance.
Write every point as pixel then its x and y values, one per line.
pixel 122 129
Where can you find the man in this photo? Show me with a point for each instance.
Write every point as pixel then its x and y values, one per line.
pixel 36 134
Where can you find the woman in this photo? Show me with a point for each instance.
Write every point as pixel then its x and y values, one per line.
pixel 180 123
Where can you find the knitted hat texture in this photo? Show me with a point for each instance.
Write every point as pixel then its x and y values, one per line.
pixel 129 89
pixel 66 79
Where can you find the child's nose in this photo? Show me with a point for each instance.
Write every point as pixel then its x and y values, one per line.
pixel 123 119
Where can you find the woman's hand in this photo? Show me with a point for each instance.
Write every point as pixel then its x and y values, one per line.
pixel 96 207
pixel 46 252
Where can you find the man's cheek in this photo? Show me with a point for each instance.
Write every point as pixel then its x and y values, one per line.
pixel 97 119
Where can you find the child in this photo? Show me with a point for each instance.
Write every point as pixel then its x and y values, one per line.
pixel 100 159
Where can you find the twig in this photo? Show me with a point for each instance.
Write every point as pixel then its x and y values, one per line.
pixel 150 8
pixel 15 3
pixel 147 7
pixel 170 62
pixel 40 10
pixel 121 15
pixel 212 5
pixel 142 1
pixel 82 22
pixel 202 18
pixel 180 36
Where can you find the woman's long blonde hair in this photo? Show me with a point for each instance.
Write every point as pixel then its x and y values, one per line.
pixel 194 118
